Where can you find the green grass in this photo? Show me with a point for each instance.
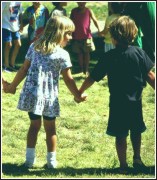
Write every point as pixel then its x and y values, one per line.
pixel 83 148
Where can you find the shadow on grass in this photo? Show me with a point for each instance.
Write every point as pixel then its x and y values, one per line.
pixel 20 170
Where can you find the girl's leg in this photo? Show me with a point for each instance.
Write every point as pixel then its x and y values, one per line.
pixel 121 147
pixel 31 142
pixel 34 128
pixel 51 140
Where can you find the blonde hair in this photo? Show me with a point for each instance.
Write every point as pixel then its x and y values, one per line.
pixel 53 34
pixel 124 30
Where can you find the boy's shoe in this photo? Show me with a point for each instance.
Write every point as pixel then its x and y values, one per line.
pixel 52 164
pixel 123 170
pixel 8 69
pixel 139 165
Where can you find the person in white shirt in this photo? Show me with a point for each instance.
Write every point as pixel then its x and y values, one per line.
pixel 11 18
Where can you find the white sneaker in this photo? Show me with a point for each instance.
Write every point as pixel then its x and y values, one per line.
pixel 30 162
pixel 52 164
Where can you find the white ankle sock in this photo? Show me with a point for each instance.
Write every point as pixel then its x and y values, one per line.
pixel 30 152
pixel 51 159
pixel 51 155
pixel 30 156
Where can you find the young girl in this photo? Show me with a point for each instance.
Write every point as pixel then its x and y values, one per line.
pixel 83 43
pixel 128 68
pixel 44 62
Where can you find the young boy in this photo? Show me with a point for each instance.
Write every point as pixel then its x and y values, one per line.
pixel 83 43
pixel 127 68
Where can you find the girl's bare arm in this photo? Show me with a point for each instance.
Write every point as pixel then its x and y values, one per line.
pixel 20 75
pixel 70 83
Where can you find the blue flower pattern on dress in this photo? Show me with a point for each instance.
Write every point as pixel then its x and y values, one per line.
pixel 40 91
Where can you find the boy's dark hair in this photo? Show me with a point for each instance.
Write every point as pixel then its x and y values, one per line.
pixel 56 3
pixel 124 30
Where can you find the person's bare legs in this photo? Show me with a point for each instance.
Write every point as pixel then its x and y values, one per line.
pixel 17 45
pixel 86 59
pixel 51 140
pixel 80 61
pixel 121 147
pixel 34 128
pixel 32 134
pixel 7 48
pixel 136 144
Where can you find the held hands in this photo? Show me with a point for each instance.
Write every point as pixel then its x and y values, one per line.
pixel 82 98
pixel 7 87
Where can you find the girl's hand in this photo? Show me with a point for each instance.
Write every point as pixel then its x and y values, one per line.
pixel 5 84
pixel 3 81
pixel 82 98
pixel 7 87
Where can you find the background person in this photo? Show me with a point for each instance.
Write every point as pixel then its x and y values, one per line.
pixel 82 43
pixel 11 25
pixel 115 11
pixel 35 17
pixel 59 10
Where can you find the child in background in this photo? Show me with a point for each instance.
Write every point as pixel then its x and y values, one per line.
pixel 82 37
pixel 114 12
pixel 143 14
pixel 127 68
pixel 11 25
pixel 59 10
pixel 36 16
pixel 44 62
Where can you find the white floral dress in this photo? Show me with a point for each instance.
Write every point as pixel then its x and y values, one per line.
pixel 40 91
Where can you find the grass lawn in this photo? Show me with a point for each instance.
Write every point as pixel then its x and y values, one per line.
pixel 83 148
